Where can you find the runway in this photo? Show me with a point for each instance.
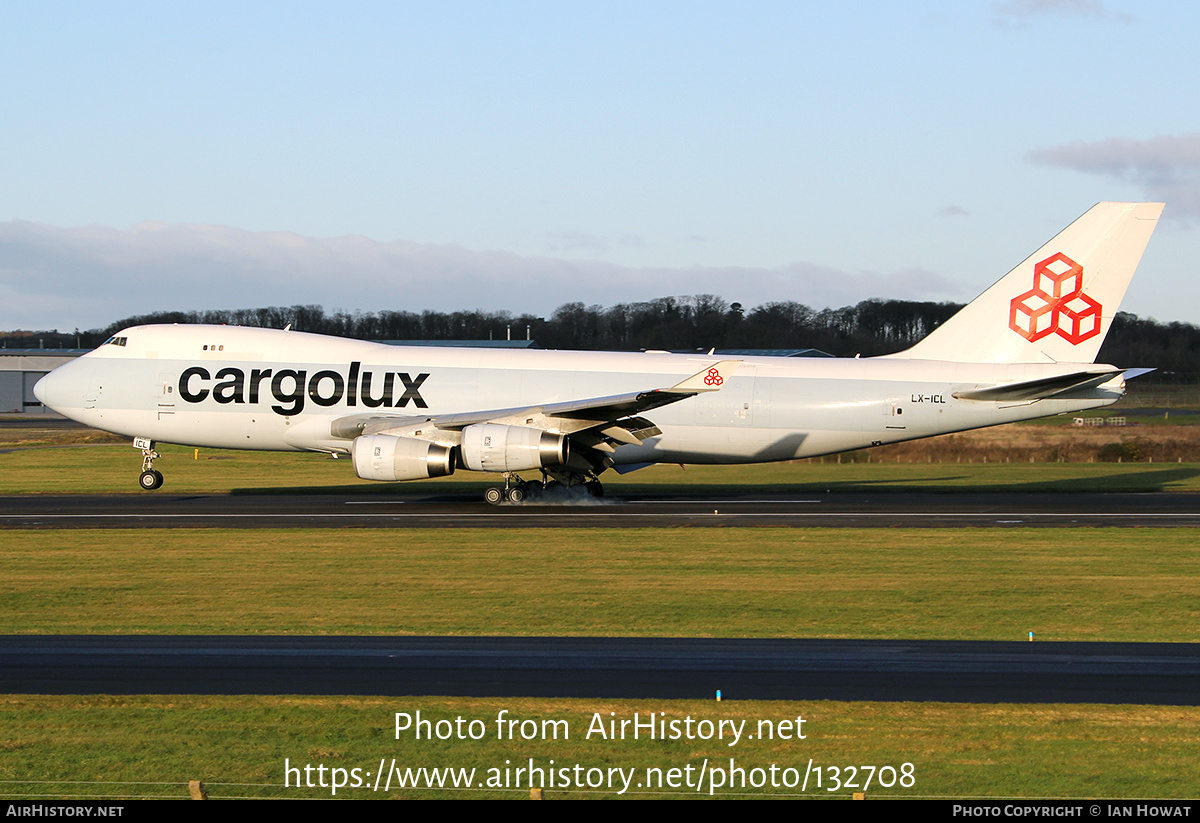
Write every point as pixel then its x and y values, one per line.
pixel 884 670
pixel 948 671
pixel 354 508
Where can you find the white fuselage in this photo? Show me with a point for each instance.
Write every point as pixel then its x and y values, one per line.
pixel 249 388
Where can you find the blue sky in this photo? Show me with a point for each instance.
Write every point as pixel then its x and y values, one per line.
pixel 518 156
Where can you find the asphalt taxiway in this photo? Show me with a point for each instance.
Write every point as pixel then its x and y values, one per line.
pixel 884 670
pixel 605 667
pixel 828 510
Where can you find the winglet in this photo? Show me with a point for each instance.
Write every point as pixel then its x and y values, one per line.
pixel 708 379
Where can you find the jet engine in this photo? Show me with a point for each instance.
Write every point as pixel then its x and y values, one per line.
pixel 494 447
pixel 386 457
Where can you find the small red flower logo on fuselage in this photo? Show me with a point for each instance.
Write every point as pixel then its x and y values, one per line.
pixel 1056 304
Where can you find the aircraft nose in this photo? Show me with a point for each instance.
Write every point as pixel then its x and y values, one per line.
pixel 41 390
pixel 51 390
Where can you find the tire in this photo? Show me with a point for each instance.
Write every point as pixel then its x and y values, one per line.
pixel 494 495
pixel 150 480
pixel 516 494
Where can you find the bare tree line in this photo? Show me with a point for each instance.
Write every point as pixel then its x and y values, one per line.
pixel 691 322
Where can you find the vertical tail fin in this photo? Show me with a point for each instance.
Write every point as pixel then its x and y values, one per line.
pixel 1058 304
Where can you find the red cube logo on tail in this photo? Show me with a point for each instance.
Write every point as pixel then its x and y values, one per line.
pixel 1056 304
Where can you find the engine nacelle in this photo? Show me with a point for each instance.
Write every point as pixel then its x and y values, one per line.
pixel 386 457
pixel 494 447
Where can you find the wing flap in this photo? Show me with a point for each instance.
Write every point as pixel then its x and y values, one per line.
pixel 570 415
pixel 354 425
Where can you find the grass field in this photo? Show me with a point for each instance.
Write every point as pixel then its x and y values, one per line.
pixel 1080 584
pixel 1105 584
pixel 977 584
pixel 93 469
pixel 1157 454
pixel 67 747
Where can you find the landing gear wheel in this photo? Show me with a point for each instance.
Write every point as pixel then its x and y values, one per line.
pixel 494 495
pixel 149 479
pixel 516 494
pixel 594 488
pixel 533 489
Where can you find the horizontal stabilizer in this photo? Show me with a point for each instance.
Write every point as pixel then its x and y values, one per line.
pixel 1027 390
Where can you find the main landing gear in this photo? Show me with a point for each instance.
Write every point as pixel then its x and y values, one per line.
pixel 517 490
pixel 150 478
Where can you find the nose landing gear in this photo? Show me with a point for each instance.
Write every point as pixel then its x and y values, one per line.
pixel 150 478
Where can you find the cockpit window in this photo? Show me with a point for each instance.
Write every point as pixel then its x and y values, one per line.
pixel 115 341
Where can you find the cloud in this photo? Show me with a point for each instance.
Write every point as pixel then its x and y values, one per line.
pixel 1019 12
pixel 53 277
pixel 1166 168
pixel 569 242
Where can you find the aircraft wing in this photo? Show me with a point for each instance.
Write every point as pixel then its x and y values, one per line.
pixel 568 416
pixel 1045 387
